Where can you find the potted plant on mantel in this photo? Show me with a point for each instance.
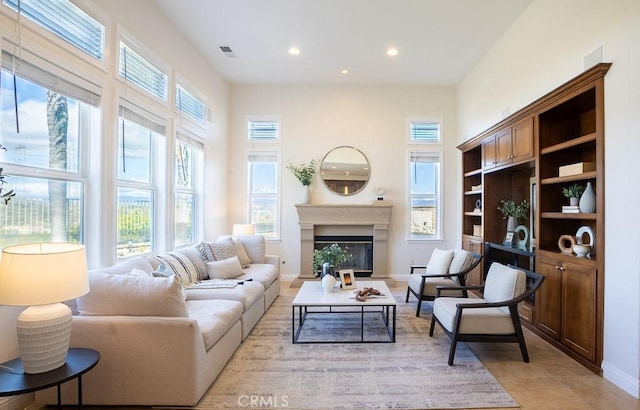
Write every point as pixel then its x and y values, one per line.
pixel 512 212
pixel 304 173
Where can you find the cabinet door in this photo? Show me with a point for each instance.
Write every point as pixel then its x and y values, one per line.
pixel 475 276
pixel 522 139
pixel 489 153
pixel 504 147
pixel 549 299
pixel 579 309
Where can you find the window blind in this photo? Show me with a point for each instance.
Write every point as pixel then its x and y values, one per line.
pixel 189 104
pixel 264 130
pixel 65 20
pixel 425 132
pixel 134 68
pixel 142 117
pixel 42 74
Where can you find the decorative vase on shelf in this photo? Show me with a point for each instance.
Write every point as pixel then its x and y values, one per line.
pixel 511 223
pixel 306 194
pixel 328 282
pixel 588 200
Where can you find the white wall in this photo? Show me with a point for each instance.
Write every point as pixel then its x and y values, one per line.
pixel 544 48
pixel 315 119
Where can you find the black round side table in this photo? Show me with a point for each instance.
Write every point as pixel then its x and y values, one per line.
pixel 14 381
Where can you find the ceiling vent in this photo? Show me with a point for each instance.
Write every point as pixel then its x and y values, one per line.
pixel 227 51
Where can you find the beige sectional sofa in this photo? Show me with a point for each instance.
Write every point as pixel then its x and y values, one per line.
pixel 163 329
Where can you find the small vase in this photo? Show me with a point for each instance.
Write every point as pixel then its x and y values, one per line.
pixel 306 194
pixel 511 224
pixel 574 201
pixel 328 282
pixel 328 269
pixel 588 200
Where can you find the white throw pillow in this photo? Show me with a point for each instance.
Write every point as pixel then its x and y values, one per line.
pixel 461 260
pixel 130 295
pixel 439 262
pixel 242 254
pixel 225 269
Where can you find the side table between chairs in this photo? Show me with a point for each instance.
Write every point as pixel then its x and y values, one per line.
pixel 13 380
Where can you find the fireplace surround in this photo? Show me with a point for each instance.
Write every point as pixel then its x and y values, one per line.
pixel 350 220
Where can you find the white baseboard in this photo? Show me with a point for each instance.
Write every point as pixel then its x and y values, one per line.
pixel 15 402
pixel 626 382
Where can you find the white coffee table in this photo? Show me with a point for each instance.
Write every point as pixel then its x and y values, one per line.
pixel 311 299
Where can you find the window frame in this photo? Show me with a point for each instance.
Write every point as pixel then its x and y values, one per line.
pixel 157 138
pixel 263 118
pixel 424 120
pixel 438 196
pixel 151 59
pixel 197 184
pixel 277 196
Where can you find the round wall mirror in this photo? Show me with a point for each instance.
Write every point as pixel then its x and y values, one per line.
pixel 345 170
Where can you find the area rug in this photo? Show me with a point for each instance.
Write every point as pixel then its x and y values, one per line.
pixel 268 371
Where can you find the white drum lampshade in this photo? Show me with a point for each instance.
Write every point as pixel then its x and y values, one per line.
pixel 41 275
pixel 243 229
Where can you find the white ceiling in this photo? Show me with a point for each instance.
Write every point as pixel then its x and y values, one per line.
pixel 438 41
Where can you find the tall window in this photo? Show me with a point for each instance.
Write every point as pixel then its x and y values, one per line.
pixel 138 134
pixel 425 195
pixel 263 187
pixel 65 20
pixel 188 158
pixel 45 125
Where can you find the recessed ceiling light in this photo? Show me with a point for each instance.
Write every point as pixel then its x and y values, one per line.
pixel 294 51
pixel 345 71
pixel 392 52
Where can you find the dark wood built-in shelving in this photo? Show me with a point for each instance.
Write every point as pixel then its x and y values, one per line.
pixel 520 158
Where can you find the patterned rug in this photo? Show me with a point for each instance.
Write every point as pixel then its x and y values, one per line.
pixel 268 371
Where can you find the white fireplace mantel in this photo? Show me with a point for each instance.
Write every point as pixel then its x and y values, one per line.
pixel 344 219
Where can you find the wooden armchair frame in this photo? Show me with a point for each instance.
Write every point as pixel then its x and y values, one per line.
pixel 462 277
pixel 512 304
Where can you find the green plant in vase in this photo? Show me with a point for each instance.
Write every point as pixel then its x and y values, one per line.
pixel 573 192
pixel 328 258
pixel 512 212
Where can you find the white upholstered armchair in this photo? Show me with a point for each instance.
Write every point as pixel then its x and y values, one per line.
pixel 445 268
pixel 494 318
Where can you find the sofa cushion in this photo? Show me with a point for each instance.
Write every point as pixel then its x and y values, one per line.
pixel 263 273
pixel 253 244
pixel 188 266
pixel 439 262
pixel 130 295
pixel 242 254
pixel 214 251
pixel 126 266
pixel 430 284
pixel 225 269
pixel 214 317
pixel 246 293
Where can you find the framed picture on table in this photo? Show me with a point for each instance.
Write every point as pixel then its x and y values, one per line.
pixel 347 278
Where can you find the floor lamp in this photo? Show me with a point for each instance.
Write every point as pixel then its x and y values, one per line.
pixel 41 275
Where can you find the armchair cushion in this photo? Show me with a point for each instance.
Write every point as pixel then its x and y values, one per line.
pixel 439 262
pixel 504 283
pixel 430 285
pixel 474 321
pixel 461 260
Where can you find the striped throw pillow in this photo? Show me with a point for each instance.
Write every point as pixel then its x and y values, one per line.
pixel 185 265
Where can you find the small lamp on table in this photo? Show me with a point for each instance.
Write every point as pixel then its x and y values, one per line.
pixel 41 275
pixel 243 229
